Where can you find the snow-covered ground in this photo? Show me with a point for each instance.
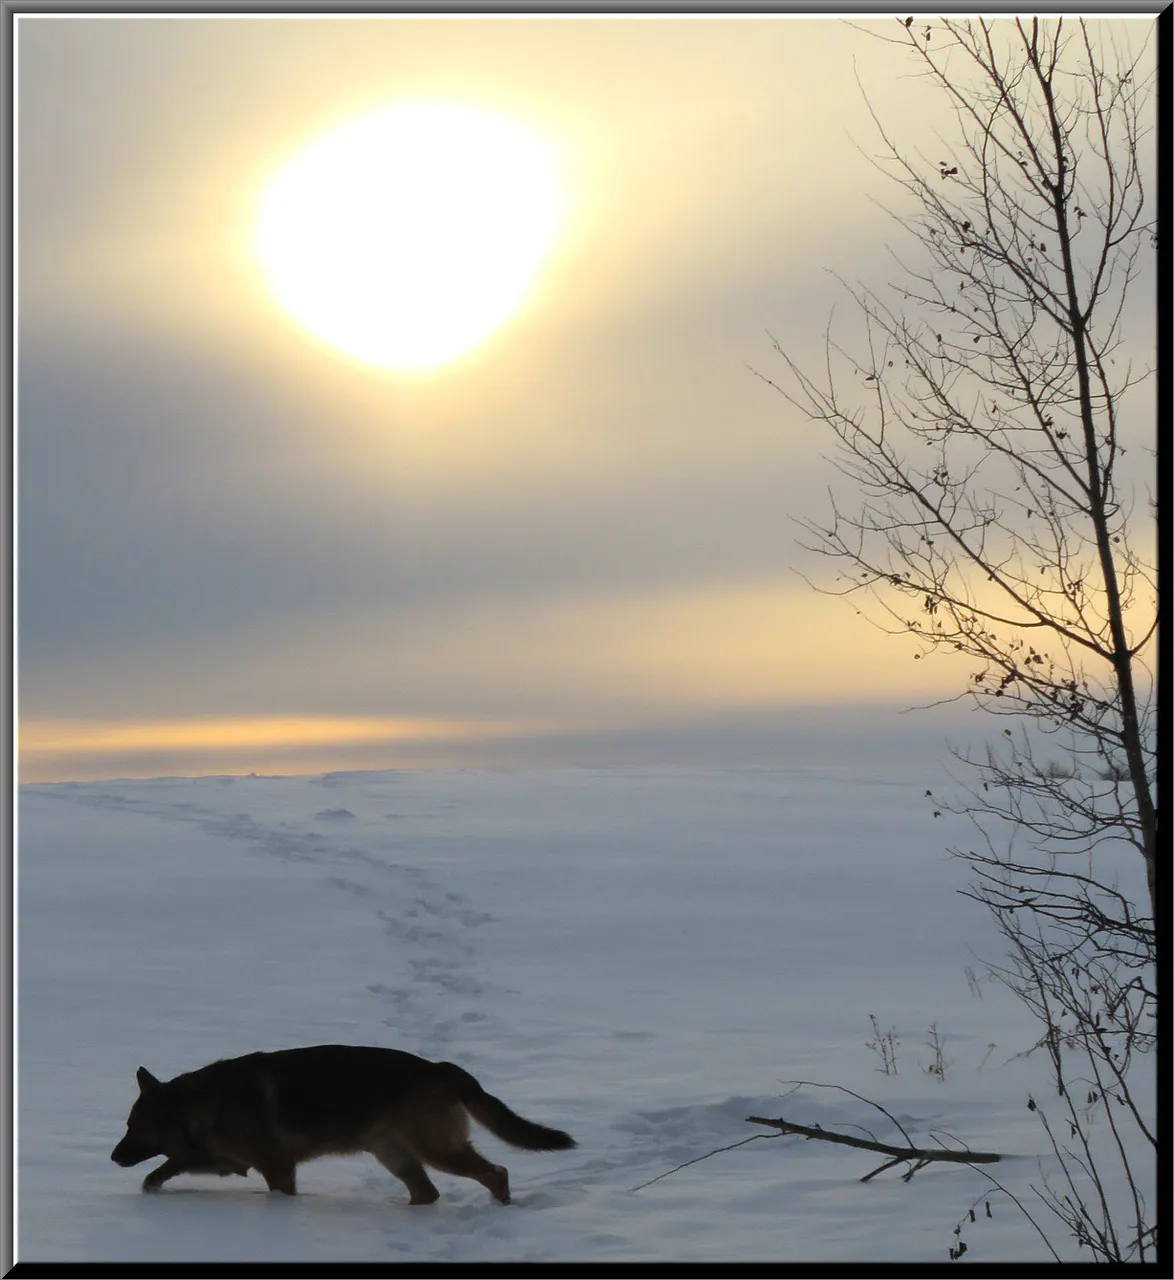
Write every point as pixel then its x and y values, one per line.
pixel 642 957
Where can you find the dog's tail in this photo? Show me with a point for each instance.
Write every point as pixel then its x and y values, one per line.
pixel 499 1119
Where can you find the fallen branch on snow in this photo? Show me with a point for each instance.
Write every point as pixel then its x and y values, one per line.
pixel 917 1157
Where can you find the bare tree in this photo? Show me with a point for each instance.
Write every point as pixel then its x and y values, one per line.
pixel 980 417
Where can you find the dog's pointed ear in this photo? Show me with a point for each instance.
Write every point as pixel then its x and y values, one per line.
pixel 147 1082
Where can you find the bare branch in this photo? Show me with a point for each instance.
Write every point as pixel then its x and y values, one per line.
pixel 918 1156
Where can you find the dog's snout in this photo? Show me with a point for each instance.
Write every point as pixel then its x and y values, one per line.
pixel 128 1153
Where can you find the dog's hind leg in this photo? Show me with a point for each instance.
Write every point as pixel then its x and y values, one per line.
pixel 280 1176
pixel 467 1162
pixel 400 1162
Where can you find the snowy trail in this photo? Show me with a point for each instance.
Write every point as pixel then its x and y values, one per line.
pixel 641 958
pixel 431 952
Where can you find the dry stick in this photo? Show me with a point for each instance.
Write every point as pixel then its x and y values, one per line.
pixel 901 1153
pixel 876 1106
pixel 920 1154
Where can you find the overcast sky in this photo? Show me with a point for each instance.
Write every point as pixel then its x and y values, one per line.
pixel 239 549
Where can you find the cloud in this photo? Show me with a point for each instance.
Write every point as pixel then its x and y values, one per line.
pixel 166 497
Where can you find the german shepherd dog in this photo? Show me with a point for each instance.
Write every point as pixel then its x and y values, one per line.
pixel 272 1111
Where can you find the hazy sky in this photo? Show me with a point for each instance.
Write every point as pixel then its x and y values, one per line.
pixel 239 549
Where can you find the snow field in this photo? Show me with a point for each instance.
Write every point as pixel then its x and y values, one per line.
pixel 642 957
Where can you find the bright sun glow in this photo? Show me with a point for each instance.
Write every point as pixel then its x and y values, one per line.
pixel 406 236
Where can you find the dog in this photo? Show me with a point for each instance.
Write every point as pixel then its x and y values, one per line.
pixel 273 1111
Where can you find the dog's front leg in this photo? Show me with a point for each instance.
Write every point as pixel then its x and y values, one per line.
pixel 157 1177
pixel 169 1168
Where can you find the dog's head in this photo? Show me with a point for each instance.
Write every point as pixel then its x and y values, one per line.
pixel 150 1127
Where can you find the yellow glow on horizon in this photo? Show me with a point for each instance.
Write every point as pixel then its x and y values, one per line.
pixel 528 671
pixel 404 237
pixel 44 738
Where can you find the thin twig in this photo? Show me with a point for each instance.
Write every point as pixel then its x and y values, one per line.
pixel 888 1164
pixel 698 1159
pixel 1022 1209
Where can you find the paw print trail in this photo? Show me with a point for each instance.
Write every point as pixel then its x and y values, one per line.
pixel 429 991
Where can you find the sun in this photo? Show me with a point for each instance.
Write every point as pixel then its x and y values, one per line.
pixel 405 236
